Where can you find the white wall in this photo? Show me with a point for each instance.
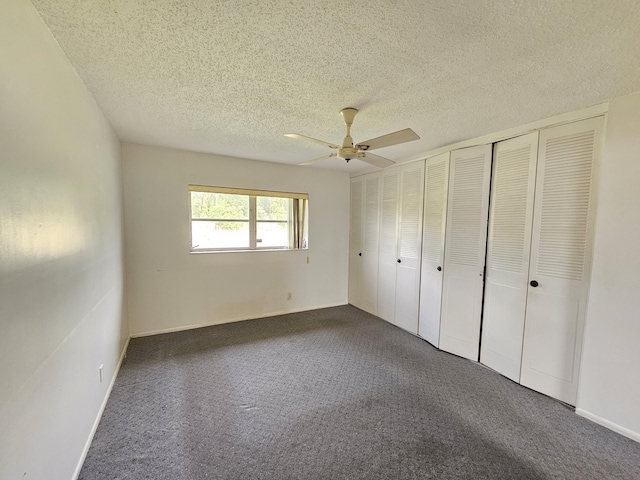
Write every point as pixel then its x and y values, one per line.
pixel 61 253
pixel 610 379
pixel 168 288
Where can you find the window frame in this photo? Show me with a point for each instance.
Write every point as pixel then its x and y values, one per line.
pixel 253 220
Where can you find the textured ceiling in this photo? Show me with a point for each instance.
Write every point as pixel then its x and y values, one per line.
pixel 231 77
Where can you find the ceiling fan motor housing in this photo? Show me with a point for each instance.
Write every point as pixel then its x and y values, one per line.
pixel 347 153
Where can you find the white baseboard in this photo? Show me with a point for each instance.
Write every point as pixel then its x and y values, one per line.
pixel 232 320
pixel 610 425
pixel 96 422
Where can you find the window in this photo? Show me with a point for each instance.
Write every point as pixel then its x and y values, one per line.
pixel 224 219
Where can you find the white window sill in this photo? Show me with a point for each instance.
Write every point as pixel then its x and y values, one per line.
pixel 198 252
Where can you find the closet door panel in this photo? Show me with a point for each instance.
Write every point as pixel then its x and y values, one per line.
pixel 551 340
pixel 409 247
pixel 387 258
pixel 370 240
pixel 465 247
pixel 459 330
pixel 435 213
pixel 560 257
pixel 508 250
pixel 355 242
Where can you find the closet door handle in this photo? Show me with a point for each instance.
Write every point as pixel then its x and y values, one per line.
pixel 439 269
pixel 534 283
pixel 399 261
pixel 360 254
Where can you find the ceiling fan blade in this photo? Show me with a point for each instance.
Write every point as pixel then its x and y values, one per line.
pixel 402 136
pixel 312 140
pixel 375 160
pixel 319 159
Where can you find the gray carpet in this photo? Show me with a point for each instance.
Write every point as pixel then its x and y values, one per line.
pixel 334 394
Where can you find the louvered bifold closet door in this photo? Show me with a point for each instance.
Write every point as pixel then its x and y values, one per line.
pixel 409 246
pixel 355 242
pixel 388 248
pixel 563 222
pixel 370 240
pixel 464 252
pixel 435 214
pixel 508 250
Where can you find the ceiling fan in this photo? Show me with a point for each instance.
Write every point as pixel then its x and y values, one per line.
pixel 361 150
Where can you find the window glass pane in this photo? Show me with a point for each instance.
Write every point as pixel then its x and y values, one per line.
pixel 219 206
pixel 272 208
pixel 272 234
pixel 245 219
pixel 208 234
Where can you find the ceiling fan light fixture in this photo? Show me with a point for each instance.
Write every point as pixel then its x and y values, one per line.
pixel 347 153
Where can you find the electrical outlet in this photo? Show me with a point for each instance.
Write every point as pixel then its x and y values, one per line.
pixel 289 296
pixel 101 368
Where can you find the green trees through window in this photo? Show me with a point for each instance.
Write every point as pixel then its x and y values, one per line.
pixel 272 208
pixel 221 206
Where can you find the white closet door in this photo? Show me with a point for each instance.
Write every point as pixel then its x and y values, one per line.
pixel 355 243
pixel 508 249
pixel 464 253
pixel 560 258
pixel 387 258
pixel 370 239
pixel 409 248
pixel 435 214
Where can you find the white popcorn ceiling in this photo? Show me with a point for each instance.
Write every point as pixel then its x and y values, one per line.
pixel 231 77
